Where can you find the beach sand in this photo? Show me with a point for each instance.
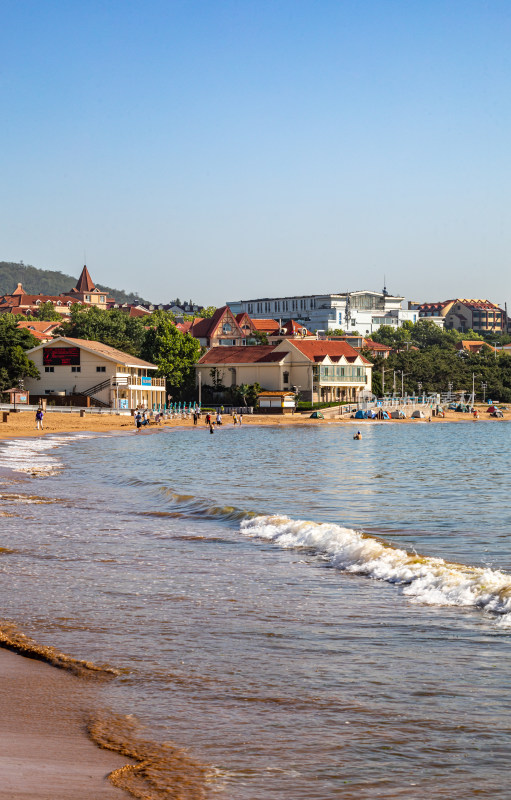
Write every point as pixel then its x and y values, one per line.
pixel 45 753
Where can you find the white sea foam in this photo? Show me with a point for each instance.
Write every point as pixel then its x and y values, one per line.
pixel 427 580
pixel 35 456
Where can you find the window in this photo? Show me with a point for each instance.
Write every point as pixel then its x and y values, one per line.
pixel 227 328
pixel 76 369
pixel 100 369
pixel 49 369
pixel 102 299
pixel 286 377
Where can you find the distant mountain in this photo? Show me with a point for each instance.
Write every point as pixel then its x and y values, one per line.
pixel 47 281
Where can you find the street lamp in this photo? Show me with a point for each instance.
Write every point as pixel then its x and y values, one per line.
pixel 484 387
pixel 449 387
pixel 419 387
pixel 403 375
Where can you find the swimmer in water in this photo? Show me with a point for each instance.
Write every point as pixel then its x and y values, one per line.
pixel 358 435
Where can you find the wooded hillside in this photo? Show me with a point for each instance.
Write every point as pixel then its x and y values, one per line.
pixel 45 281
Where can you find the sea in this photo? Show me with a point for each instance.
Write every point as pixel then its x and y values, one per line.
pixel 302 616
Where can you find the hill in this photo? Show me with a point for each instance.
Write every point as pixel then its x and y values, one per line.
pixel 46 281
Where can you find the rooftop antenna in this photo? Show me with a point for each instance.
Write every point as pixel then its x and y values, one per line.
pixel 385 293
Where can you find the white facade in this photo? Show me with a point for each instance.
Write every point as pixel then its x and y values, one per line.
pixel 362 311
pixel 114 378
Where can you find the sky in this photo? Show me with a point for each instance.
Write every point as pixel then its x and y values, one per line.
pixel 217 150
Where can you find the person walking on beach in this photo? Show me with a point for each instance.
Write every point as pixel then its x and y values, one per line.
pixel 234 418
pixel 195 417
pixel 208 419
pixel 219 418
pixel 39 414
pixel 138 421
pixel 211 428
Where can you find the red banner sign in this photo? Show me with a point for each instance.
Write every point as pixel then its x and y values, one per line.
pixel 61 356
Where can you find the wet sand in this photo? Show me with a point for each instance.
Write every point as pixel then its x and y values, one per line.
pixel 45 752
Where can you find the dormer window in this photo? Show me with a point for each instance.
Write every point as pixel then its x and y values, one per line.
pixel 59 303
pixel 227 328
pixel 37 302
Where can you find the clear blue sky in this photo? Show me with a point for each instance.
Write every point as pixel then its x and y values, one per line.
pixel 225 150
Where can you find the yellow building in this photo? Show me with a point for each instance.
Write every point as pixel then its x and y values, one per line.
pixel 321 370
pixel 109 377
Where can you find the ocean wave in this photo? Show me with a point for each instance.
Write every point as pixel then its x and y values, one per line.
pixel 426 580
pixel 33 456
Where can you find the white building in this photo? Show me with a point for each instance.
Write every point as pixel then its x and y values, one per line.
pixel 107 376
pixel 363 312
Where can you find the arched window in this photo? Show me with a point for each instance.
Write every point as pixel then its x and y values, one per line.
pixel 227 327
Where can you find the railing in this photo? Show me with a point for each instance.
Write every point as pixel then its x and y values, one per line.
pixel 136 380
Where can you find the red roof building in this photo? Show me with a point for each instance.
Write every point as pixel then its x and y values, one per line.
pixel 319 370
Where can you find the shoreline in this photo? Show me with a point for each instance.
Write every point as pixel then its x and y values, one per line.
pixel 22 424
pixel 45 751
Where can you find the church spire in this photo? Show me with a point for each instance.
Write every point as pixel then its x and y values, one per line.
pixel 85 283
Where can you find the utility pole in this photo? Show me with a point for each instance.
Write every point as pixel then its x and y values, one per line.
pixel 200 389
pixel 394 392
pixel 484 386
pixel 383 380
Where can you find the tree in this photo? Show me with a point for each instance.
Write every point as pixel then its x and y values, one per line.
pixel 175 355
pixel 260 337
pixel 207 312
pixel 46 312
pixel 14 362
pixel 114 328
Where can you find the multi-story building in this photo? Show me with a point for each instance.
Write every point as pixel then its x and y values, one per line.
pixel 84 293
pixel 481 316
pixel 107 376
pixel 362 311
pixel 320 370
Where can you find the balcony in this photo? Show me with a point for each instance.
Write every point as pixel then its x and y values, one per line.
pixel 138 381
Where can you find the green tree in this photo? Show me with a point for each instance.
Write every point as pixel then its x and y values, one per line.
pixel 207 312
pixel 14 362
pixel 46 312
pixel 175 354
pixel 114 328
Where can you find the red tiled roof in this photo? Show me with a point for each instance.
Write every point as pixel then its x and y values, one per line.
pixel 266 325
pixel 370 345
pixel 85 283
pixel 41 326
pixel 318 349
pixel 242 354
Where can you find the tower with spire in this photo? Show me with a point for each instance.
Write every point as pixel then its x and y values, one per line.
pixel 87 292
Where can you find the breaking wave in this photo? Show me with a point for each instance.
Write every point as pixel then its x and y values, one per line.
pixel 34 456
pixel 427 580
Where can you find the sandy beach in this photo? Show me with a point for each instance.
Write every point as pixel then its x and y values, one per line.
pixel 45 753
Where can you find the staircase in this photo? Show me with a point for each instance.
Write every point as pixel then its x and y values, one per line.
pixel 94 390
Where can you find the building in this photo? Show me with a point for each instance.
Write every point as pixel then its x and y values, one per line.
pixel 362 311
pixel 84 293
pixel 471 346
pixel 79 368
pixel 481 316
pixel 19 302
pixel 44 331
pixel 319 370
pixel 88 294
pixel 222 329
